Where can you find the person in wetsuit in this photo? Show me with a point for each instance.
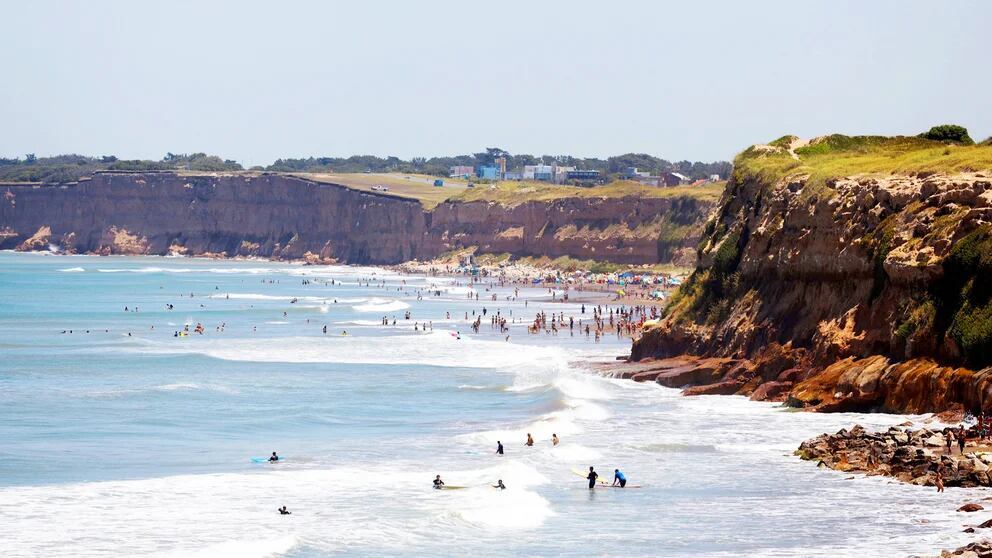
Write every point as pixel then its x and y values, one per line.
pixel 499 447
pixel 619 479
pixel 438 483
pixel 274 458
pixel 499 484
pixel 284 511
pixel 592 476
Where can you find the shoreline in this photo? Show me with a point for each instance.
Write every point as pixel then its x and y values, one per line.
pixel 594 362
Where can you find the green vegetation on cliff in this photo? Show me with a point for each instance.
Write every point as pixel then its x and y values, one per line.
pixel 964 297
pixel 515 193
pixel 837 156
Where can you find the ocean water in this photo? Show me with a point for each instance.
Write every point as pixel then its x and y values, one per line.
pixel 119 439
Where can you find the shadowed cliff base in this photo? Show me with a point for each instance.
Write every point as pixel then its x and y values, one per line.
pixel 844 274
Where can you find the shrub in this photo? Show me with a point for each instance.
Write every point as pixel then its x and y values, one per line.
pixel 949 132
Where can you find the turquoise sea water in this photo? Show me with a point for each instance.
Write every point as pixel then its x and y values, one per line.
pixel 120 439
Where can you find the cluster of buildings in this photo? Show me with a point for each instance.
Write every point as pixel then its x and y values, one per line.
pixel 545 173
pixel 664 178
pixel 557 174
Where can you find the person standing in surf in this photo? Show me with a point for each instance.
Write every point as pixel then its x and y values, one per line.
pixel 530 439
pixel 554 440
pixel 499 447
pixel 592 476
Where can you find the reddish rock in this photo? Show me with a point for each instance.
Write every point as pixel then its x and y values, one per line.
pixel 971 507
pixel 772 391
pixel 727 387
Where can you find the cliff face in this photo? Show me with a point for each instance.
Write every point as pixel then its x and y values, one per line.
pixel 291 218
pixel 629 230
pixel 853 293
pixel 269 215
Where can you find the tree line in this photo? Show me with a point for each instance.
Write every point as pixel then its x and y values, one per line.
pixel 440 166
pixel 70 168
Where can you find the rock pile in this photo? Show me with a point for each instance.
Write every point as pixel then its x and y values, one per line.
pixel 913 456
pixel 977 549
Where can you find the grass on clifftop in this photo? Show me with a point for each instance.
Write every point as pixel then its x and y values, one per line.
pixel 514 193
pixel 510 193
pixel 838 156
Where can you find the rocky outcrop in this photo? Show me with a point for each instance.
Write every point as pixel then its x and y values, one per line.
pixel 290 217
pixel 872 292
pixel 913 456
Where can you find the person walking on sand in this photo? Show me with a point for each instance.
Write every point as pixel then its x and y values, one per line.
pixel 949 438
pixel 530 439
pixel 592 476
pixel 499 447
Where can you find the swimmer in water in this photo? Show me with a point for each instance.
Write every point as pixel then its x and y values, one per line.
pixel 530 439
pixel 554 440
pixel 438 483
pixel 284 511
pixel 274 458
pixel 499 484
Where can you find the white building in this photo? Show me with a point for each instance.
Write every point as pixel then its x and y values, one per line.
pixel 538 172
pixel 560 173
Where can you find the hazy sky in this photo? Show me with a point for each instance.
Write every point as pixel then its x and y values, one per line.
pixel 255 81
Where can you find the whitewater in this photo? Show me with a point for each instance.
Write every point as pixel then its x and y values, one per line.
pixel 120 438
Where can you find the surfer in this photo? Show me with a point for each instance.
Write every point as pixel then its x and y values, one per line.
pixel 438 483
pixel 530 439
pixel 592 476
pixel 499 484
pixel 274 458
pixel 554 440
pixel 499 447
pixel 284 511
pixel 619 479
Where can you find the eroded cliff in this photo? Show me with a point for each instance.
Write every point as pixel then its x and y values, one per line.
pixel 290 217
pixel 846 291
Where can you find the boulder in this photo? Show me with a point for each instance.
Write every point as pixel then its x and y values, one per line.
pixel 971 507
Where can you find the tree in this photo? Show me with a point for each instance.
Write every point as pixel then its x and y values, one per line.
pixel 949 133
pixel 30 158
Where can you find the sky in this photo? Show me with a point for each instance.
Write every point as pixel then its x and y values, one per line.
pixel 700 80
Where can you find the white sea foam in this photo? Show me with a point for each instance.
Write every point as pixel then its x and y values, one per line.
pixel 72 270
pixel 437 348
pixel 379 305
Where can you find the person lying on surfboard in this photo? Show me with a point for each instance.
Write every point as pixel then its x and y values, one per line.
pixel 438 483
